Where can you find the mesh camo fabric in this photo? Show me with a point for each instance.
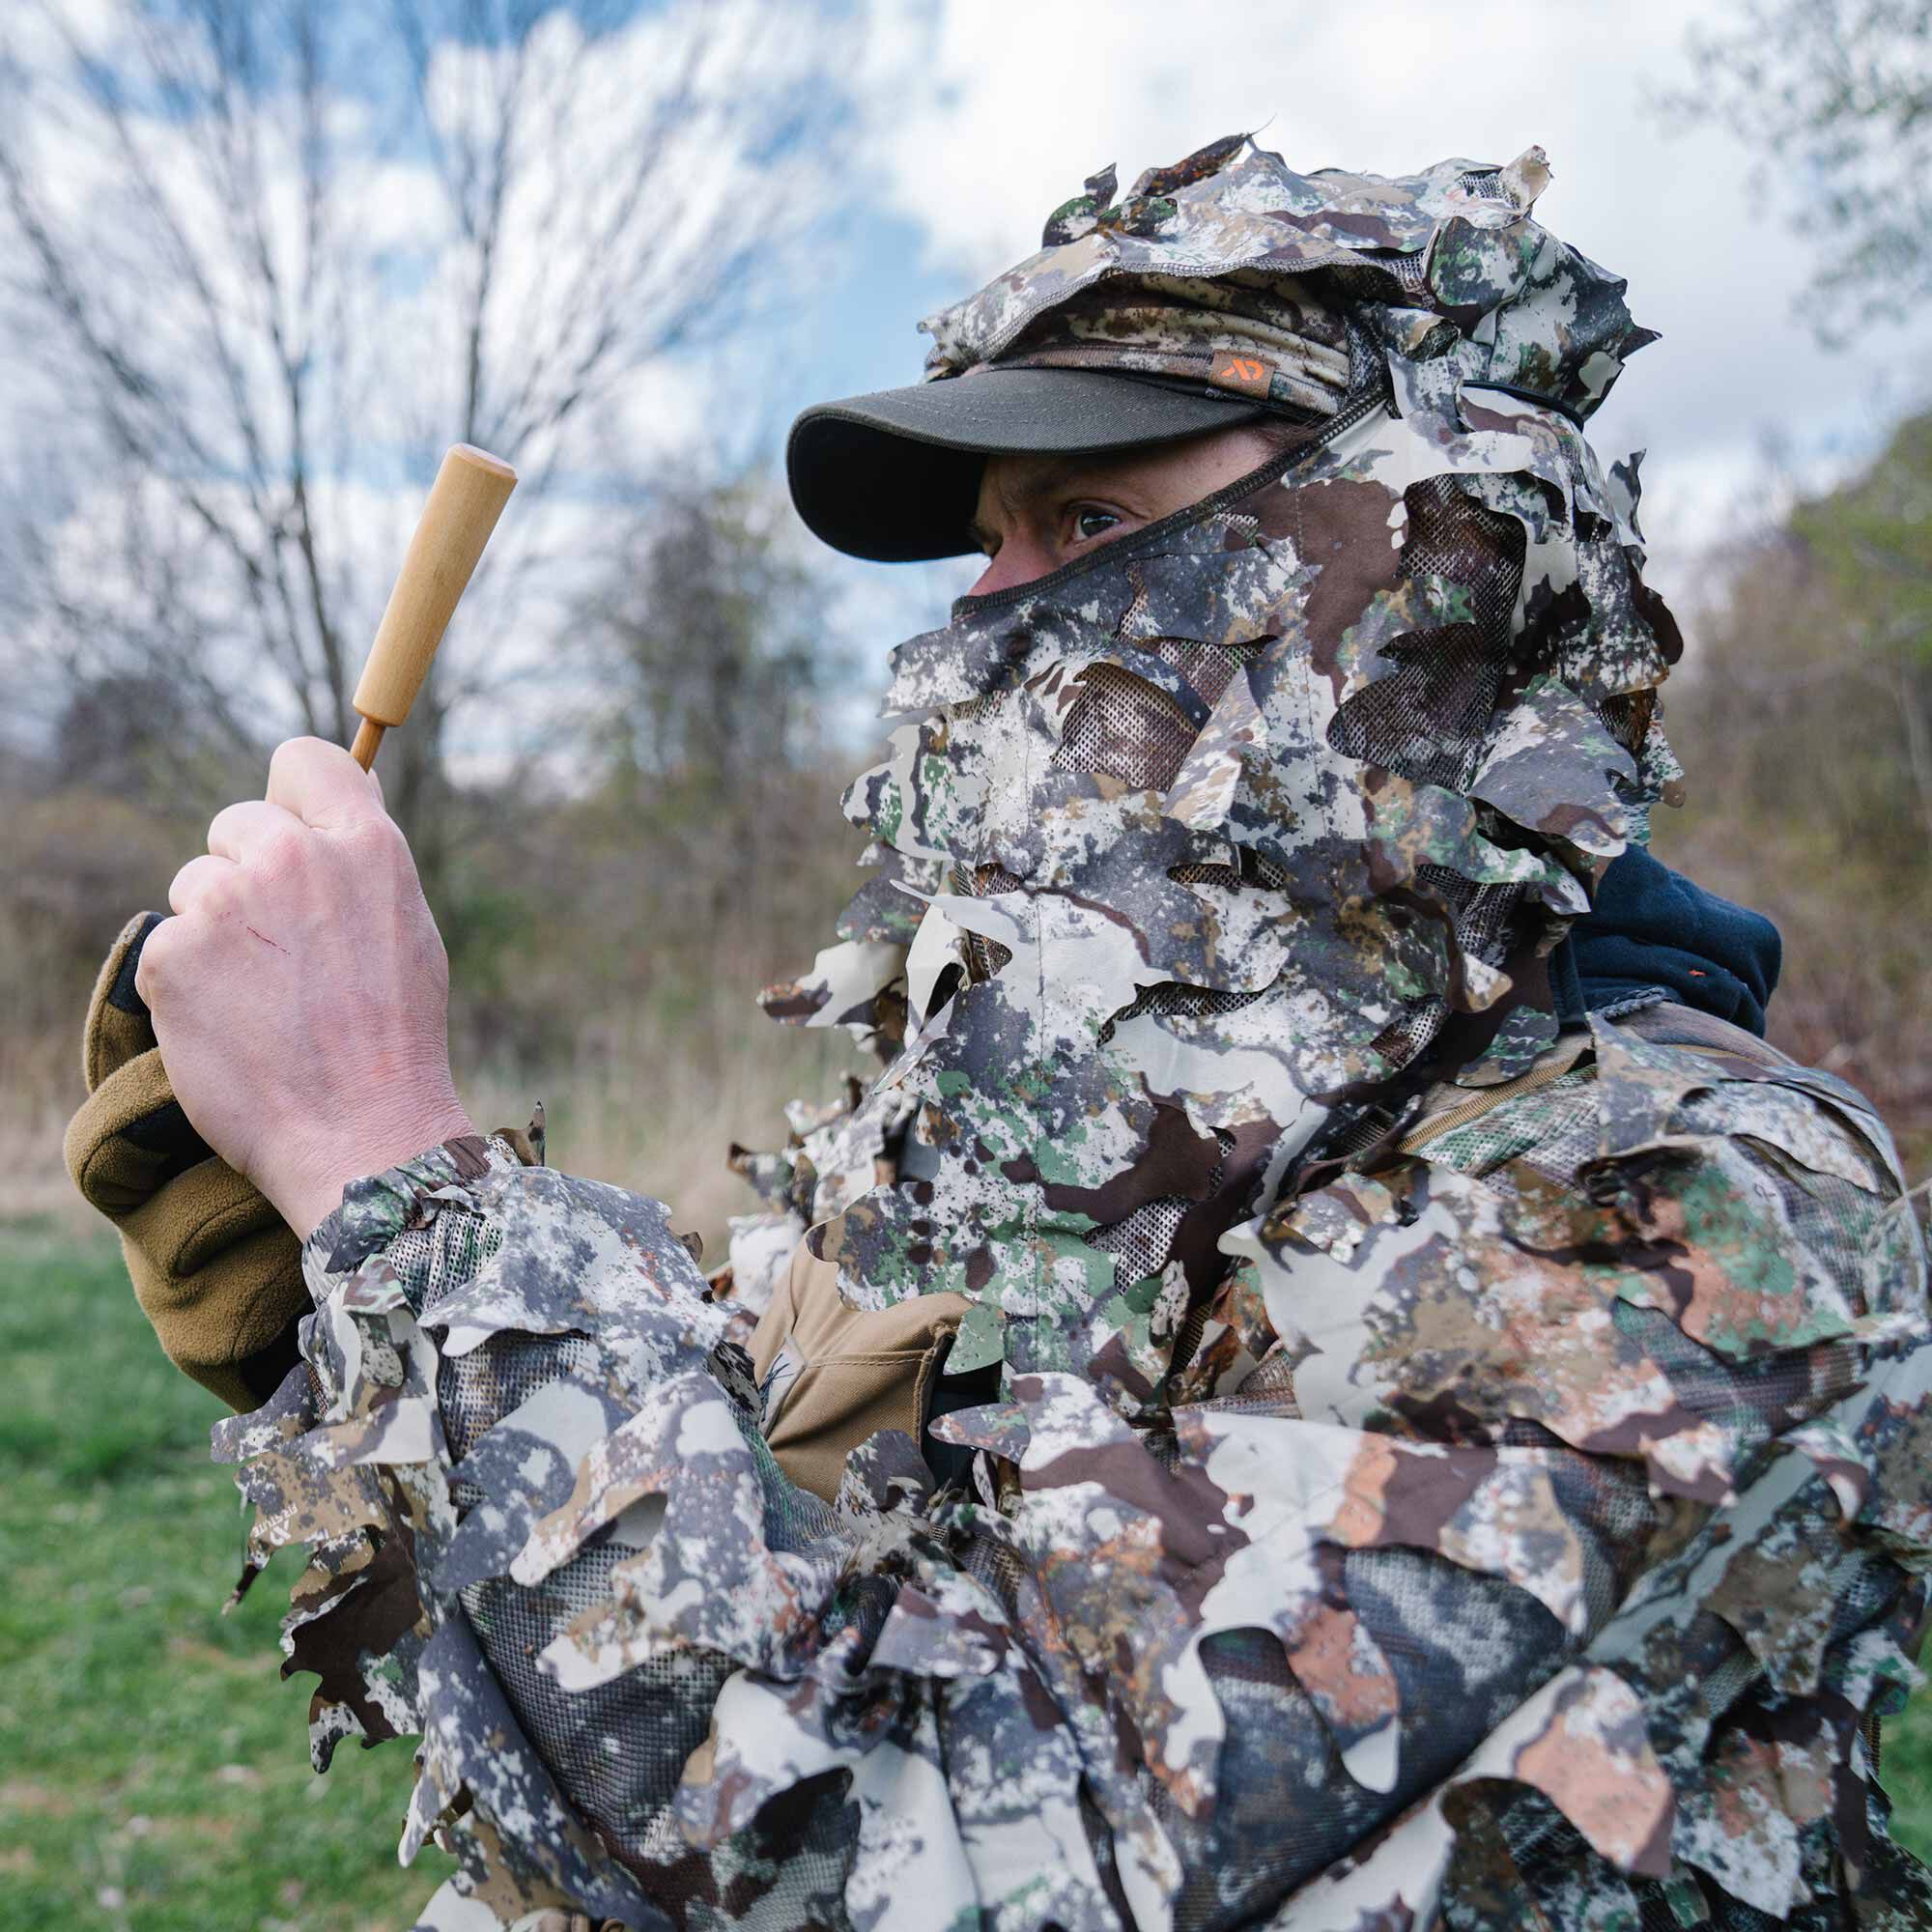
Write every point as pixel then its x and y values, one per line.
pixel 1365 1537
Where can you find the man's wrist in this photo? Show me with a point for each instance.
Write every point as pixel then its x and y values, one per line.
pixel 308 1189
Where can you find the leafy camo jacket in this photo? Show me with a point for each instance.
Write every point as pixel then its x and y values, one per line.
pixel 1554 1584
pixel 1431 1469
pixel 1515 1520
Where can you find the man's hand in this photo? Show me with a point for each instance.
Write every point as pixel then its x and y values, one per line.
pixel 301 995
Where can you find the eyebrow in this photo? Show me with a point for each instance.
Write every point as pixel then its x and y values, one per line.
pixel 1041 484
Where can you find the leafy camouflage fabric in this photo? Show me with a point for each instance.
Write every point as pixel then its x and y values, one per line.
pixel 1444 1471
pixel 1449 270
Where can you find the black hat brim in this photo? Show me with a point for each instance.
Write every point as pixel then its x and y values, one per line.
pixel 894 477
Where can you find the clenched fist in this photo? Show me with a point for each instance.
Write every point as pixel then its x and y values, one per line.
pixel 300 994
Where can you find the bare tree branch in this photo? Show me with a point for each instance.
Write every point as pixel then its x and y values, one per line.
pixel 1833 98
pixel 279 252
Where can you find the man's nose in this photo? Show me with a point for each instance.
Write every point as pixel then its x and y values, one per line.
pixel 1020 561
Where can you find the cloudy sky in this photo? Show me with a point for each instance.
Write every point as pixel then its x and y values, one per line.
pixel 972 118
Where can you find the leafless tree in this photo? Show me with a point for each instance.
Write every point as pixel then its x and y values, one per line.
pixel 1833 99
pixel 270 256
pixel 713 632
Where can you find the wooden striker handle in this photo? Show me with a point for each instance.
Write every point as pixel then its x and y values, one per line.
pixel 464 502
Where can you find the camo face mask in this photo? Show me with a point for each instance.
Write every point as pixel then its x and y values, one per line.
pixel 1187 849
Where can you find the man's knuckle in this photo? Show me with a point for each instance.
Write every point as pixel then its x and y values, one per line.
pixel 376 838
pixel 186 888
pixel 282 852
pixel 151 968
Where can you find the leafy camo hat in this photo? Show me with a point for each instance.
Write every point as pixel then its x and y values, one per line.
pixel 1226 289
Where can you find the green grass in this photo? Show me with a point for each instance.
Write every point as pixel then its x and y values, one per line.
pixel 153 1770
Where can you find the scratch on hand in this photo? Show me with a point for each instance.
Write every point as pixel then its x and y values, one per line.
pixel 267 941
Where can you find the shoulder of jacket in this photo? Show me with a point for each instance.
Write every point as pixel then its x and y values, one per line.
pixel 1665 1077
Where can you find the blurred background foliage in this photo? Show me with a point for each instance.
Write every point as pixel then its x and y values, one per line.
pixel 1833 98
pixel 1805 721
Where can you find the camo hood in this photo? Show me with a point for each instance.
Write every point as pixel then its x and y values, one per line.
pixel 1221 843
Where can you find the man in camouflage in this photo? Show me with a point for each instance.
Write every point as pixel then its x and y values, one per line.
pixel 1284 1414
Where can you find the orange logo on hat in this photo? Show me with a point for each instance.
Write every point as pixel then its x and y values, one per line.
pixel 1247 373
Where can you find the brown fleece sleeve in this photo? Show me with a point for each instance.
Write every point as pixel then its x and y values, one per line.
pixel 214 1268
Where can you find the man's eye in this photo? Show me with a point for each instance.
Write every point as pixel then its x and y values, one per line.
pixel 1090 524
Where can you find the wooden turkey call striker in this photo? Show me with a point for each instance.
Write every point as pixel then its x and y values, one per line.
pixel 464 502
